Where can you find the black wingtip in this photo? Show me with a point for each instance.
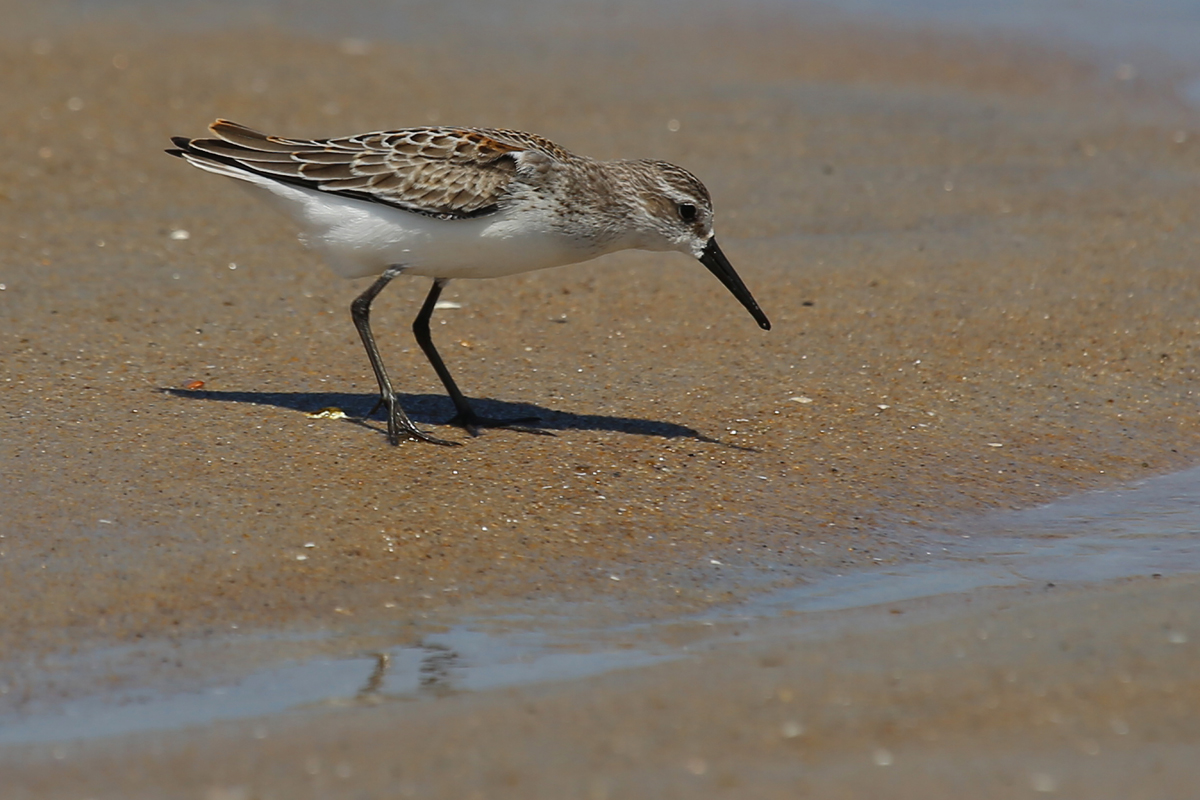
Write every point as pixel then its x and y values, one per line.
pixel 181 142
pixel 765 324
pixel 174 152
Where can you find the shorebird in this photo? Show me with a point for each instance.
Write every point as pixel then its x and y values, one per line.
pixel 447 203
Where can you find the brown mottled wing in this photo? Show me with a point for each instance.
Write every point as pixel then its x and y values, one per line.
pixel 443 172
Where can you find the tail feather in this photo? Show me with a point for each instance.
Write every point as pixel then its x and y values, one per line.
pixel 228 156
pixel 240 135
pixel 222 148
pixel 220 166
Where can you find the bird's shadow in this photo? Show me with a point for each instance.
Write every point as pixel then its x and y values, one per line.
pixel 432 409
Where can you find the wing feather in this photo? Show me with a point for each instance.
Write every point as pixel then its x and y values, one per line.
pixel 444 172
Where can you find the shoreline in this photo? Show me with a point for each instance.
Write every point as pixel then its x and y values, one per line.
pixel 1093 544
pixel 1008 690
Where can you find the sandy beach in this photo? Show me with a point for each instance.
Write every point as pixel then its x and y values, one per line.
pixel 979 257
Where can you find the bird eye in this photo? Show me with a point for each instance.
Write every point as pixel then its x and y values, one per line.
pixel 687 212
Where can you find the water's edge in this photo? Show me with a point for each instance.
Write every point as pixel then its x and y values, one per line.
pixel 1150 528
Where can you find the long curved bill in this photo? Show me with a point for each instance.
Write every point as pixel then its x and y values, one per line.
pixel 719 265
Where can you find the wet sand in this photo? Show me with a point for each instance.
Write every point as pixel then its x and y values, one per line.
pixel 978 257
pixel 1006 694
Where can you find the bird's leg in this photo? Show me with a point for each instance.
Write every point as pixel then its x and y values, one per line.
pixel 464 416
pixel 398 421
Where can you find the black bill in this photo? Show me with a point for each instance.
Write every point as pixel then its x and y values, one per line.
pixel 719 265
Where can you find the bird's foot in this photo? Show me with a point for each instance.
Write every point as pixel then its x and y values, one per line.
pixel 413 432
pixel 473 423
pixel 400 425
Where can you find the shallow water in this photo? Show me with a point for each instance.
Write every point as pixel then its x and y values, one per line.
pixel 459 660
pixel 1127 39
pixel 1170 27
pixel 1118 28
pixel 1151 528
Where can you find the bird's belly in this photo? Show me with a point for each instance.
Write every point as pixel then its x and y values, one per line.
pixel 360 239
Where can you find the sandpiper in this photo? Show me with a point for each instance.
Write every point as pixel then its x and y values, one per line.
pixel 446 203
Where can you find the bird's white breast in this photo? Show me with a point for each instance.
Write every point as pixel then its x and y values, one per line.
pixel 361 238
